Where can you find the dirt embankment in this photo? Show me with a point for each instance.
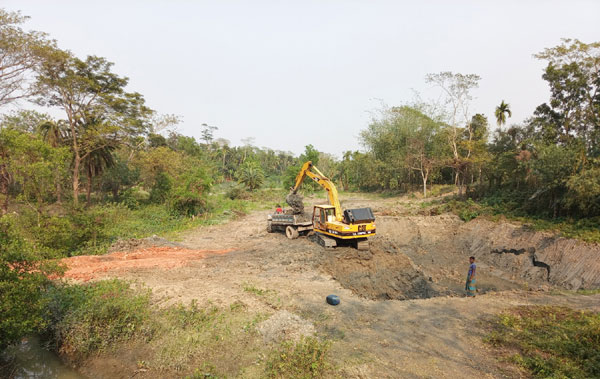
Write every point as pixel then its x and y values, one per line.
pixel 531 255
pixel 509 255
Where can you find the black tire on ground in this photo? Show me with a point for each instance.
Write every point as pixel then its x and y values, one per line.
pixel 291 232
pixel 333 300
pixel 269 227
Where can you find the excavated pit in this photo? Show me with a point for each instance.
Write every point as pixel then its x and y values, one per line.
pixel 418 257
pixel 380 273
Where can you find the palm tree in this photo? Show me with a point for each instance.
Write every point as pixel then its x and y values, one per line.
pixel 95 163
pixel 54 133
pixel 501 111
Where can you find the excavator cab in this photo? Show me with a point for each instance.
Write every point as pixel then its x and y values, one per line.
pixel 322 215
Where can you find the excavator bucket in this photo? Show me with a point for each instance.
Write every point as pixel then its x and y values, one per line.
pixel 294 200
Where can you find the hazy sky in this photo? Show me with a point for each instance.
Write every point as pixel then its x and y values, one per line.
pixel 292 73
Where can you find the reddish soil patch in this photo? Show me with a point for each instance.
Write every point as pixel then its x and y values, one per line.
pixel 87 267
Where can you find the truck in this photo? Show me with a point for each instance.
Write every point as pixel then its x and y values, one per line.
pixel 293 225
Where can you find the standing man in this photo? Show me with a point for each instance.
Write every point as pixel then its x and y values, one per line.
pixel 470 286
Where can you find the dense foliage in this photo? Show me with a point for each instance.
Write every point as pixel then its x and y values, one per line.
pixel 23 277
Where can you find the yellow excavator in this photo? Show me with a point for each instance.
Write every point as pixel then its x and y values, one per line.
pixel 332 226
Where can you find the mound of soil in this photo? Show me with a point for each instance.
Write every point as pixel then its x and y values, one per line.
pixel 87 267
pixel 284 325
pixel 381 273
pixel 141 243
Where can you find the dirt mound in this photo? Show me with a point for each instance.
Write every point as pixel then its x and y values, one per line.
pixel 295 201
pixel 284 325
pixel 380 273
pixel 87 267
pixel 141 243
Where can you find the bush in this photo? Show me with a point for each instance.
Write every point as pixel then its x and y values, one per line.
pixel 163 184
pixel 23 280
pixel 237 192
pixel 190 198
pixel 307 358
pixel 129 199
pixel 550 341
pixel 93 317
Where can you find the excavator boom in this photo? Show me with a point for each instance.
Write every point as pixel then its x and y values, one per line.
pixel 311 171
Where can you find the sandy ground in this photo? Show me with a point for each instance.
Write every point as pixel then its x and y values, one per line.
pixel 402 311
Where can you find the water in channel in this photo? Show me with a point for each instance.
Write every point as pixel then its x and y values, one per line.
pixel 33 361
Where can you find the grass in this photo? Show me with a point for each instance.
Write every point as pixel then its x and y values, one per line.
pixel 270 297
pixel 67 232
pixel 85 319
pixel 307 358
pixel 549 341
pixel 110 318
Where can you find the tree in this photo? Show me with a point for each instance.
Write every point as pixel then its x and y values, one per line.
pixel 573 74
pixel 425 147
pixel 30 164
pixel 457 97
pixel 54 133
pixel 248 146
pixel 251 175
pixel 21 53
pixel 25 120
pixel 502 111
pixel 404 141
pixel 99 111
pixel 95 163
pixel 208 134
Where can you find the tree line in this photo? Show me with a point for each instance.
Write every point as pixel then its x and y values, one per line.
pixel 108 145
pixel 548 165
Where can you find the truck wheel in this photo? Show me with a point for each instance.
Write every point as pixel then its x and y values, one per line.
pixel 269 227
pixel 291 232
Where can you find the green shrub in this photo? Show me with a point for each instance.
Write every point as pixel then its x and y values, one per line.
pixel 23 282
pixel 550 341
pixel 94 317
pixel 207 371
pixel 237 192
pixel 189 199
pixel 163 184
pixel 307 358
pixel 129 199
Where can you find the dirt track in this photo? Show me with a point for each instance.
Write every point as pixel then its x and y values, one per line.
pixel 402 312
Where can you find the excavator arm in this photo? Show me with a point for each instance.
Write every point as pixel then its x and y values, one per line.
pixel 311 171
